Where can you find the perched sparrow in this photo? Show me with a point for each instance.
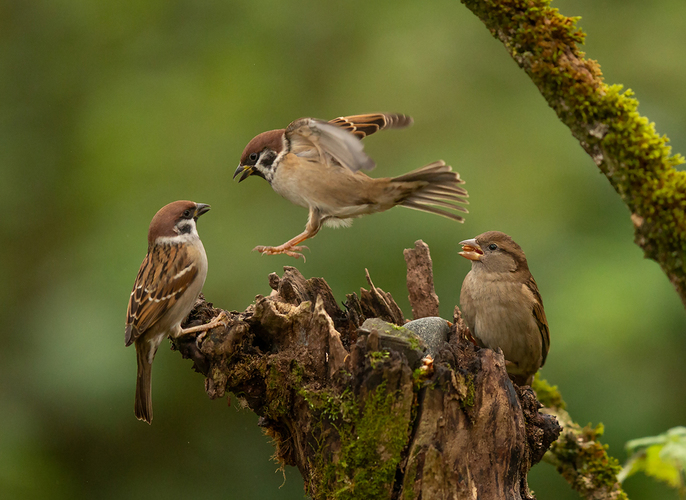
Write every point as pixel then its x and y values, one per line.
pixel 317 165
pixel 502 306
pixel 169 280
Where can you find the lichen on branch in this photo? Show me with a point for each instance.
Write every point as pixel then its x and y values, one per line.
pixel 578 455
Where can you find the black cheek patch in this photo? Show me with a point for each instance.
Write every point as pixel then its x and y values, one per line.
pixel 268 158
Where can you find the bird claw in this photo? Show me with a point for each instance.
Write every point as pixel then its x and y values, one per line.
pixel 220 319
pixel 290 251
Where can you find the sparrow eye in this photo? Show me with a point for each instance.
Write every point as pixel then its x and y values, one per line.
pixel 253 157
pixel 186 213
pixel 493 246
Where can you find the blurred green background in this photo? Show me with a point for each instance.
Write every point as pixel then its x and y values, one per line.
pixel 109 110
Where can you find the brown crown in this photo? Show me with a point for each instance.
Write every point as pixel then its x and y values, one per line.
pixel 272 139
pixel 163 222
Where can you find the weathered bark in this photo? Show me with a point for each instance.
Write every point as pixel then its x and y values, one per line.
pixel 354 416
pixel 420 281
pixel 624 145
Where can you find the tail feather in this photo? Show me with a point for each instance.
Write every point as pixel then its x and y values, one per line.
pixel 443 189
pixel 143 404
pixel 444 196
pixel 433 201
pixel 437 186
pixel 433 210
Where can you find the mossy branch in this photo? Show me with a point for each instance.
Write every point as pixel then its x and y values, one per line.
pixel 578 455
pixel 623 144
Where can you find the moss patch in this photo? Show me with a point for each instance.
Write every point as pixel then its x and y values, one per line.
pixel 548 395
pixel 586 460
pixel 372 439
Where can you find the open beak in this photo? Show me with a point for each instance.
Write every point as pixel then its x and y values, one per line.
pixel 246 170
pixel 200 209
pixel 471 250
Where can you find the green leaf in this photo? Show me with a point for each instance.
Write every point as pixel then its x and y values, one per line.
pixel 661 457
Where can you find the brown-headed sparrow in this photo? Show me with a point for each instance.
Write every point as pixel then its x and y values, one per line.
pixel 168 283
pixel 317 165
pixel 502 306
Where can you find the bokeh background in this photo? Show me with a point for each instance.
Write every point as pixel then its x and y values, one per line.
pixel 109 110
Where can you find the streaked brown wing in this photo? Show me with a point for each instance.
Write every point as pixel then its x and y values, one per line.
pixel 166 272
pixel 323 142
pixel 363 125
pixel 539 315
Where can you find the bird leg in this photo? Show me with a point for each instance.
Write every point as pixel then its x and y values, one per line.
pixel 314 224
pixel 220 319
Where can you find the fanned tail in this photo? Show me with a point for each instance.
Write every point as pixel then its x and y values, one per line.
pixel 442 189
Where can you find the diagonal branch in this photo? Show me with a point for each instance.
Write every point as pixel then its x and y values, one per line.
pixel 578 455
pixel 623 144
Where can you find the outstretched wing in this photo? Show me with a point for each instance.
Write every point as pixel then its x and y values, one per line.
pixel 339 138
pixel 165 274
pixel 363 125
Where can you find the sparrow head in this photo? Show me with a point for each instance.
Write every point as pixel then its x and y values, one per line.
pixel 494 251
pixel 259 155
pixel 177 218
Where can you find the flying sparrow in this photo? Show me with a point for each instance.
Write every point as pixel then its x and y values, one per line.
pixel 318 165
pixel 168 283
pixel 502 306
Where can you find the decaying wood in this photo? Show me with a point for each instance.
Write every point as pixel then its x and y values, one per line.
pixel 355 418
pixel 420 281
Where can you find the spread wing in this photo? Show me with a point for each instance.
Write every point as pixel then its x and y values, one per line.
pixel 338 140
pixel 164 276
pixel 363 125
pixel 539 316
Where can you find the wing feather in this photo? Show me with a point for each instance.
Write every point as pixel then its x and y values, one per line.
pixel 338 140
pixel 363 125
pixel 539 316
pixel 165 274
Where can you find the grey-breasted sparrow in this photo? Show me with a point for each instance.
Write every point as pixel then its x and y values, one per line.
pixel 502 306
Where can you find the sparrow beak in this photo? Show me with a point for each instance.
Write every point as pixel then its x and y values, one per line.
pixel 471 250
pixel 246 170
pixel 201 208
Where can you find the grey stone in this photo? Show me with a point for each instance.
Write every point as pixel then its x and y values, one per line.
pixel 433 331
pixel 396 338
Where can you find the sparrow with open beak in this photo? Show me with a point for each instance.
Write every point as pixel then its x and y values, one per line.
pixel 502 306
pixel 168 283
pixel 318 165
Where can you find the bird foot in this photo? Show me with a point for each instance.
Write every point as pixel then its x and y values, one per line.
pixel 220 319
pixel 291 251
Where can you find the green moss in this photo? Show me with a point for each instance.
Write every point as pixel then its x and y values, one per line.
pixel 581 459
pixel 418 378
pixel 377 357
pixel 281 384
pixel 409 480
pixel 548 395
pixel 372 439
pixel 414 341
pixel 604 118
pixel 468 399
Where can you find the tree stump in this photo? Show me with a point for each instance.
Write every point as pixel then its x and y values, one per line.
pixel 355 417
